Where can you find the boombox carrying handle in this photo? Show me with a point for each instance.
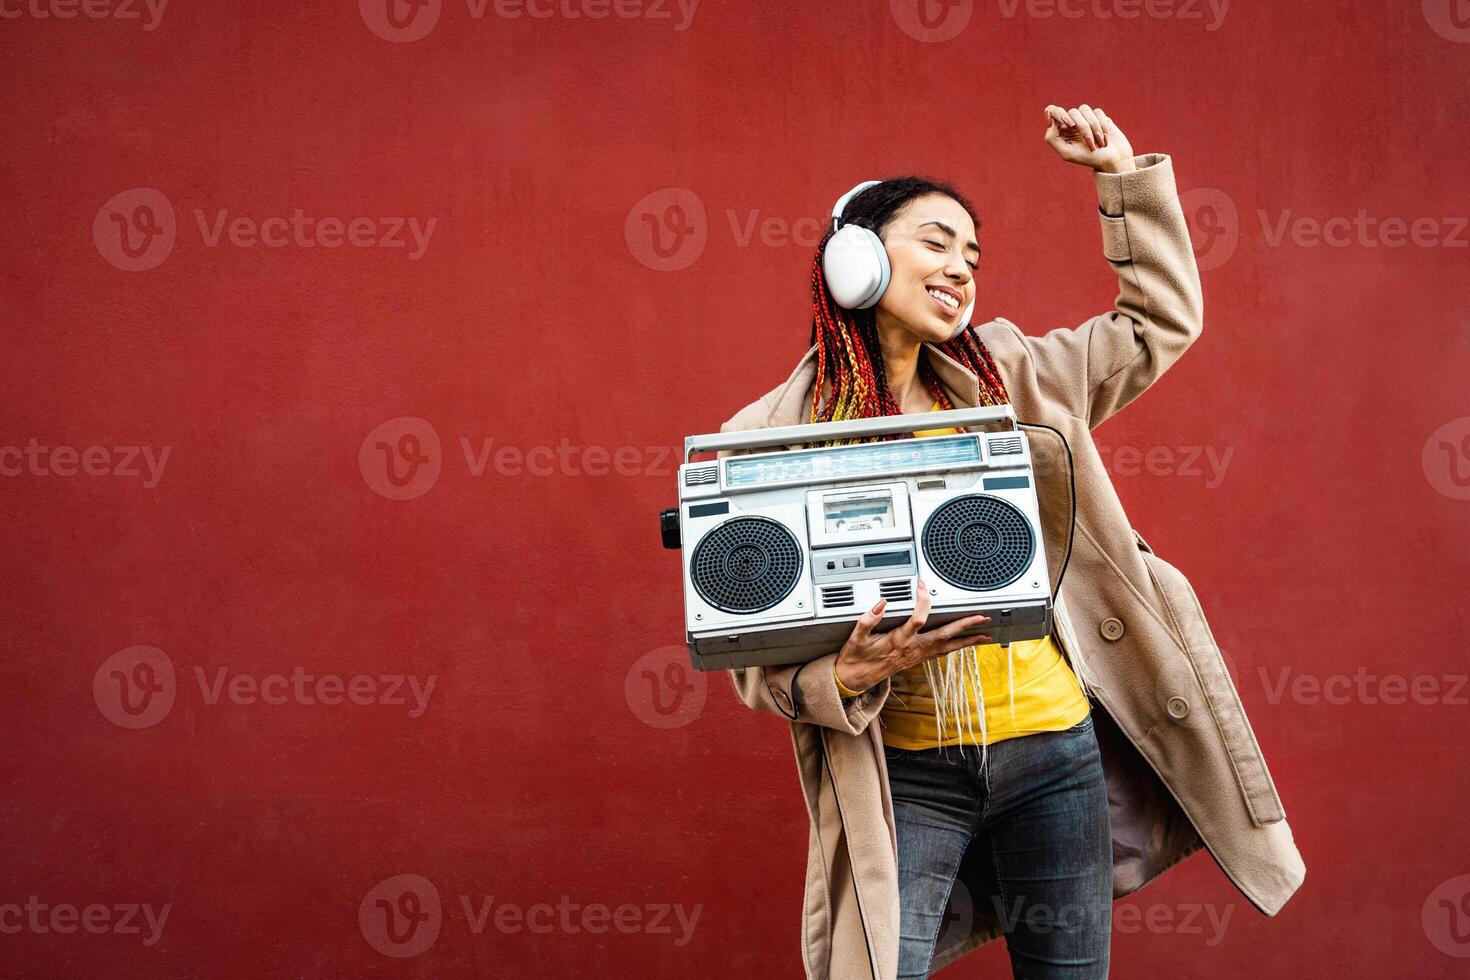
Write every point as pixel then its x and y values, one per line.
pixel 787 435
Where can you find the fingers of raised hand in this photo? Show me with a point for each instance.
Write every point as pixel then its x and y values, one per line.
pixel 1099 135
pixel 1083 126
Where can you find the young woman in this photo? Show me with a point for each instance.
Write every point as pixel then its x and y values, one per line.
pixel 980 744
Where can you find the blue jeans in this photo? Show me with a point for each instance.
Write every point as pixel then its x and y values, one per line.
pixel 1040 807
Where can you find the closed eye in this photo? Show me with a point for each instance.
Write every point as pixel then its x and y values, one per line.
pixel 974 266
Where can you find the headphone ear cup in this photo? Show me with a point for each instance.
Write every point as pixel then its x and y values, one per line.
pixel 855 264
pixel 964 320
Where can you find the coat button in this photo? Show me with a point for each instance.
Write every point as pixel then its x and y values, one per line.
pixel 1178 707
pixel 1111 628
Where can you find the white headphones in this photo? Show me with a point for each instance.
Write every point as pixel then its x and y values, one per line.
pixel 855 263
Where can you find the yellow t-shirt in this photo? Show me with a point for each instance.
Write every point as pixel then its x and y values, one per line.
pixel 1048 697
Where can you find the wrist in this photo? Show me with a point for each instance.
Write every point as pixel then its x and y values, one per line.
pixel 1118 167
pixel 850 682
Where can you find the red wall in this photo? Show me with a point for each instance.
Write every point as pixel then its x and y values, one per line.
pixel 553 771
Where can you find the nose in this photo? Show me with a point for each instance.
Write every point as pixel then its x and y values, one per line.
pixel 958 271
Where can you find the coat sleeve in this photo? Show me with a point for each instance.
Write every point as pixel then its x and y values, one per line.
pixel 1097 368
pixel 805 693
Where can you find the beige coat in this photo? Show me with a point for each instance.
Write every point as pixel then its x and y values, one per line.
pixel 1183 767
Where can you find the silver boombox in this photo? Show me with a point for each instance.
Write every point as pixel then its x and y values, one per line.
pixel 784 550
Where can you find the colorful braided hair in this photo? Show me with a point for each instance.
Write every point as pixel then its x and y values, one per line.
pixel 848 352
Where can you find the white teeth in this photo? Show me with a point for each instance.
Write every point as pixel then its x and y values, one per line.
pixel 944 298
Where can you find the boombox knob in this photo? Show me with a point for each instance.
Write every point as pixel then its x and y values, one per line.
pixel 668 525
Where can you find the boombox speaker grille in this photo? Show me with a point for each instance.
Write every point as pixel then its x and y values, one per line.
pixel 979 542
pixel 746 565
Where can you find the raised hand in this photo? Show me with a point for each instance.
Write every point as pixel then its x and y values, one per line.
pixel 1086 135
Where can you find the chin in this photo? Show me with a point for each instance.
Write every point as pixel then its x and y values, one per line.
pixel 934 332
pixel 927 328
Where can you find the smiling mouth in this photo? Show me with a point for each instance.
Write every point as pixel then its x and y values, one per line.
pixel 944 299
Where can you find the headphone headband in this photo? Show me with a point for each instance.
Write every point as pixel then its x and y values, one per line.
pixel 842 201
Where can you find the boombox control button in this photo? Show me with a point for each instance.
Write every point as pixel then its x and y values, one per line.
pixel 1178 707
pixel 1111 628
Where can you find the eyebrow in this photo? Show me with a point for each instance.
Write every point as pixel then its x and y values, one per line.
pixel 952 234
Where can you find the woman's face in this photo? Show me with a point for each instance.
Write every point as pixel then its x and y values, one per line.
pixel 932 250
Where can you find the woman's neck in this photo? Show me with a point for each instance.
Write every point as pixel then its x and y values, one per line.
pixel 901 351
